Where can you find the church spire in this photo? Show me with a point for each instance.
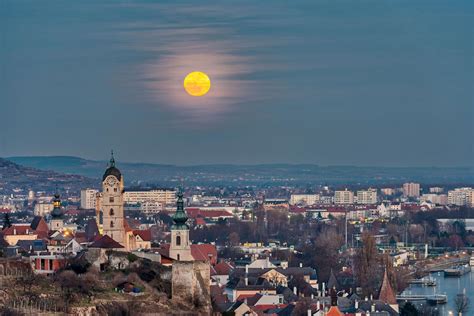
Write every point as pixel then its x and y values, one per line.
pixel 386 292
pixel 112 159
pixel 180 217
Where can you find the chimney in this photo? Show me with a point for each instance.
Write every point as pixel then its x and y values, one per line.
pixel 372 309
pixel 245 301
pixel 356 304
pixel 309 312
pixel 295 291
pixel 246 281
pixel 324 289
pixel 301 264
pixel 246 268
pixel 318 305
pixel 371 297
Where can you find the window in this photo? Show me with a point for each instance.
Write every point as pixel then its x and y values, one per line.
pixel 177 256
pixel 115 189
pixel 111 224
pixel 111 199
pixel 178 241
pixel 111 213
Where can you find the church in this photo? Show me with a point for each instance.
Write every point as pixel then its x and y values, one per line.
pixel 110 206
pixel 114 226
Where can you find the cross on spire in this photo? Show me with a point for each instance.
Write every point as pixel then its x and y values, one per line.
pixel 112 159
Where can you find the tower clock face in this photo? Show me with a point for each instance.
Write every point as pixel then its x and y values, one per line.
pixel 111 181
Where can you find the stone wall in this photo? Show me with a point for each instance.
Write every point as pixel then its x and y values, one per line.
pixel 191 284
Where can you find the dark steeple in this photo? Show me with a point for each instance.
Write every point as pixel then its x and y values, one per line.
pixel 180 217
pixel 112 170
pixel 57 213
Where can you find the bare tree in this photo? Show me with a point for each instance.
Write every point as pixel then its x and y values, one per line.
pixel 461 304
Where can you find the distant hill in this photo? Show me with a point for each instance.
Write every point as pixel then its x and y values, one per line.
pixel 267 174
pixel 14 177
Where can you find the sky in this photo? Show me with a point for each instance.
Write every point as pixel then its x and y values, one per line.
pixel 335 82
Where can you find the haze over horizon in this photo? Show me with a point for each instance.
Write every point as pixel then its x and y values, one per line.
pixel 375 83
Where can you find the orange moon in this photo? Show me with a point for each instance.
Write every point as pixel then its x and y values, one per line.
pixel 197 83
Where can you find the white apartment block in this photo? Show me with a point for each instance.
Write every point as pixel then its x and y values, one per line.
pixel 439 199
pixel 411 189
pixel 460 196
pixel 43 208
pixel 367 196
pixel 388 191
pixel 88 199
pixel 163 196
pixel 344 197
pixel 436 190
pixel 470 198
pixel 306 199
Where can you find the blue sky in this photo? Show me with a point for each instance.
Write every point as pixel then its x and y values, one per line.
pixel 370 83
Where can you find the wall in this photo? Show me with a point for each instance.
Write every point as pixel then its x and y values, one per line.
pixel 191 284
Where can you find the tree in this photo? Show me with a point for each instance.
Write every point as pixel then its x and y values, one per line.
pixel 234 239
pixel 409 310
pixel 367 265
pixel 6 221
pixel 70 284
pixel 461 304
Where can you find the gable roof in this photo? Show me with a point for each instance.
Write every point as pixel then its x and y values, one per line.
pixel 223 268
pixel 145 235
pixel 206 252
pixel 105 242
pixel 18 229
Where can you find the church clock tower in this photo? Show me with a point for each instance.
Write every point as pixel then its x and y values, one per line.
pixel 180 248
pixel 112 203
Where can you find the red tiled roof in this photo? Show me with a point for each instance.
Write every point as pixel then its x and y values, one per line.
pixel 72 212
pixel 206 252
pixel 195 212
pixel 126 226
pixel 18 229
pixel 223 268
pixel 200 221
pixel 334 311
pixel 264 307
pixel 386 292
pixel 106 242
pixel 145 235
pixel 5 210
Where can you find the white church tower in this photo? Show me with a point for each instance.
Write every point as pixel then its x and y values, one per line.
pixel 180 248
pixel 112 203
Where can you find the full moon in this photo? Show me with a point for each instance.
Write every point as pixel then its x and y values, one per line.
pixel 197 83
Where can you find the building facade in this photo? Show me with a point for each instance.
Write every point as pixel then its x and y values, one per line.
pixel 306 199
pixel 411 189
pixel 460 196
pixel 163 196
pixel 88 199
pixel 343 197
pixel 367 196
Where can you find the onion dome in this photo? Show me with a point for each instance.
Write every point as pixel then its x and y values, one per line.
pixel 180 217
pixel 57 213
pixel 112 170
